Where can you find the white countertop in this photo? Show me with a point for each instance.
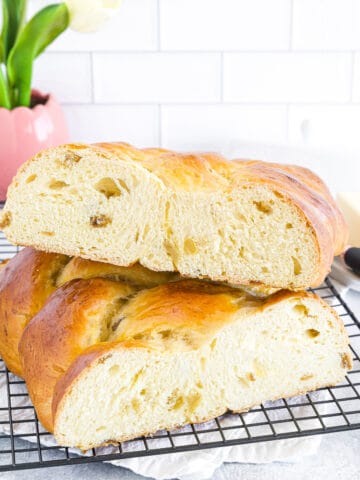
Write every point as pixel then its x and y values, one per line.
pixel 338 458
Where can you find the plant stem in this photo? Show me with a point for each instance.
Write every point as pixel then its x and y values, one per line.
pixel 11 93
pixel 5 100
pixel 24 99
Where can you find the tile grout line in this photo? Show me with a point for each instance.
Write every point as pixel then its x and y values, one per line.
pixel 287 122
pixel 222 59
pixel 291 25
pixel 330 104
pixel 352 74
pixel 159 125
pixel 158 20
pixel 92 75
pixel 213 51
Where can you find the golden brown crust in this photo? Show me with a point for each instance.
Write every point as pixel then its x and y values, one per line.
pixel 3 264
pixel 28 279
pixel 135 274
pixel 25 284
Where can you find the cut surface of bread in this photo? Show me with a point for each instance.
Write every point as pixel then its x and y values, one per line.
pixel 28 279
pixel 104 363
pixel 199 214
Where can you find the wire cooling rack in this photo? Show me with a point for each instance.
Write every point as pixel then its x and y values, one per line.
pixel 325 411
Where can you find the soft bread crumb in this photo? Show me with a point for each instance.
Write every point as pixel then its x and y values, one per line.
pixel 148 390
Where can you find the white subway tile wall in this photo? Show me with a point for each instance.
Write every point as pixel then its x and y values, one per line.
pixel 356 85
pixel 336 126
pixel 326 25
pixel 137 124
pixel 203 74
pixel 213 127
pixel 66 75
pixel 156 77
pixel 224 24
pixel 287 77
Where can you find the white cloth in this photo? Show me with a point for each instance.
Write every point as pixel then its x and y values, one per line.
pixel 202 464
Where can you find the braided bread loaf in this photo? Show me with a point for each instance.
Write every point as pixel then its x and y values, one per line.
pixel 200 215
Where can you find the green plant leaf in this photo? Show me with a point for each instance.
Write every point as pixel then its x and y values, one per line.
pixel 3 35
pixel 13 17
pixel 4 92
pixel 38 33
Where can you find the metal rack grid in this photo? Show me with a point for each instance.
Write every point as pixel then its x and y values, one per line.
pixel 325 411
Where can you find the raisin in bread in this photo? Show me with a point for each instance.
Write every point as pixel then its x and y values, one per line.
pixel 198 214
pixel 105 362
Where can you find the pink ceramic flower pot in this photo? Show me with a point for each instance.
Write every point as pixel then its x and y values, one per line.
pixel 26 131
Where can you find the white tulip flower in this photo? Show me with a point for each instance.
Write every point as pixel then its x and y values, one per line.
pixel 90 15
